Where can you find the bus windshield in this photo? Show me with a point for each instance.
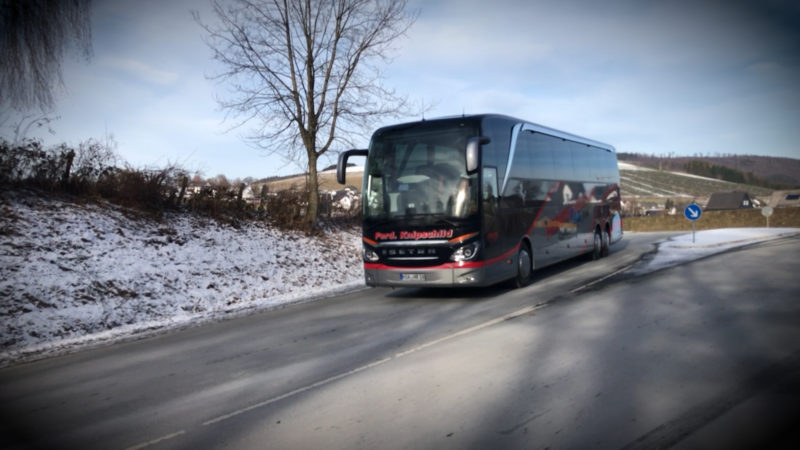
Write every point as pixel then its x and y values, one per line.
pixel 420 172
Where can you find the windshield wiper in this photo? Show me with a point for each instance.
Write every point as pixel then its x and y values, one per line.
pixel 448 222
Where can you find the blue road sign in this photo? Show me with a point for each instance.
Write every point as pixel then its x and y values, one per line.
pixel 692 212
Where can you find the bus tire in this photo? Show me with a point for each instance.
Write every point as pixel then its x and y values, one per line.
pixel 597 246
pixel 524 266
pixel 606 243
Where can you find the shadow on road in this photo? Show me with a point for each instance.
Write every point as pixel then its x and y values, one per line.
pixel 499 289
pixel 653 363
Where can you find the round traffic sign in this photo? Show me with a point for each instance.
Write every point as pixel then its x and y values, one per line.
pixel 766 211
pixel 692 212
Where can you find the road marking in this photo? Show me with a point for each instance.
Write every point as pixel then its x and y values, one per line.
pixel 600 280
pixel 295 392
pixel 481 326
pixel 469 330
pixel 156 440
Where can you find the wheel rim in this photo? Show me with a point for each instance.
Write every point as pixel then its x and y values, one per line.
pixel 524 264
pixel 598 246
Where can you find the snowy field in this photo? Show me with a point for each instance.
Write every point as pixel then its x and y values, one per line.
pixel 74 275
pixel 634 168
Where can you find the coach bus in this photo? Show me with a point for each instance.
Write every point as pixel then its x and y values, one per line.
pixel 476 200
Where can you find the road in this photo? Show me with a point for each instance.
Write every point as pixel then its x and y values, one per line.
pixel 703 354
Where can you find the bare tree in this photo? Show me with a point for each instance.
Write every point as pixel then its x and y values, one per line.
pixel 21 129
pixel 306 73
pixel 34 35
pixel 220 182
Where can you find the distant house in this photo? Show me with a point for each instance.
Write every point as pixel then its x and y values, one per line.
pixel 250 194
pixel 729 200
pixel 781 199
pixel 196 188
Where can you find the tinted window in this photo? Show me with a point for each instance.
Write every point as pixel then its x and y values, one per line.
pixel 584 161
pixel 489 183
pixel 593 163
pixel 540 147
pixel 562 159
pixel 495 153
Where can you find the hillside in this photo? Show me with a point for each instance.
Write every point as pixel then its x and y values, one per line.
pixel 640 182
pixel 327 181
pixel 773 169
pixel 71 268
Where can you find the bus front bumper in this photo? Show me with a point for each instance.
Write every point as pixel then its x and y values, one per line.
pixel 411 277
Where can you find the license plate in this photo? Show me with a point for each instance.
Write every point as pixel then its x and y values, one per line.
pixel 412 276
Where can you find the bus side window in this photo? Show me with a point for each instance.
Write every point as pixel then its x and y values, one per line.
pixel 490 188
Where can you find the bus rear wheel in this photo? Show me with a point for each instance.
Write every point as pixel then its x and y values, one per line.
pixel 524 267
pixel 597 246
pixel 606 243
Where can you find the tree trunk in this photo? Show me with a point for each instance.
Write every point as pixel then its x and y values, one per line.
pixel 182 193
pixel 70 157
pixel 312 210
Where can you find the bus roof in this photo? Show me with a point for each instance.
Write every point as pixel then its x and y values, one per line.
pixel 512 120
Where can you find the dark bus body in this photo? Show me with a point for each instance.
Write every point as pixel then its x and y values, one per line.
pixel 476 200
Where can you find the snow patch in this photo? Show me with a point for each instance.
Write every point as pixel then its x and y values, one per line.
pixel 77 273
pixel 680 249
pixel 628 166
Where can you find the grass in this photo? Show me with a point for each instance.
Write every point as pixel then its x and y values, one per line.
pixel 710 220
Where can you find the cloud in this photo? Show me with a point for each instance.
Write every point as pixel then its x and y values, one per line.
pixel 680 76
pixel 457 45
pixel 141 71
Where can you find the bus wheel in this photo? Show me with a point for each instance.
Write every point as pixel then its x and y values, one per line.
pixel 606 243
pixel 524 267
pixel 597 247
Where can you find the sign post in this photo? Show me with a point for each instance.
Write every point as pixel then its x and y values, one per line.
pixel 766 212
pixel 693 212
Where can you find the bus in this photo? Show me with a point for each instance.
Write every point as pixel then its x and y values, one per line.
pixel 477 200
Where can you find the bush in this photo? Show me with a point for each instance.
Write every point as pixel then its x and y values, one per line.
pixel 28 163
pixel 93 161
pixel 151 190
pixel 286 209
pixel 91 170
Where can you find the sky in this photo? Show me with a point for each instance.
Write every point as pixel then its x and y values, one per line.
pixel 657 77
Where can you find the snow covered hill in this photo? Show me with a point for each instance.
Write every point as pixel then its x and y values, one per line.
pixel 74 273
pixel 642 182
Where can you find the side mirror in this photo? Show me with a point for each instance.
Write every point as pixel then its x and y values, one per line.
pixel 474 152
pixel 341 166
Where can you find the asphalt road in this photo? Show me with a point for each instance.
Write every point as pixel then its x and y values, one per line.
pixel 701 355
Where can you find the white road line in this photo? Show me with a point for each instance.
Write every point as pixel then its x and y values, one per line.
pixel 469 330
pixel 295 392
pixel 600 280
pixel 156 440
pixel 489 323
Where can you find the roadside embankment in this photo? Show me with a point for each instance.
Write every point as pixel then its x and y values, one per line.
pixel 710 220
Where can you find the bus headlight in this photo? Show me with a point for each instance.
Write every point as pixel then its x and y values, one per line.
pixel 370 255
pixel 466 252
